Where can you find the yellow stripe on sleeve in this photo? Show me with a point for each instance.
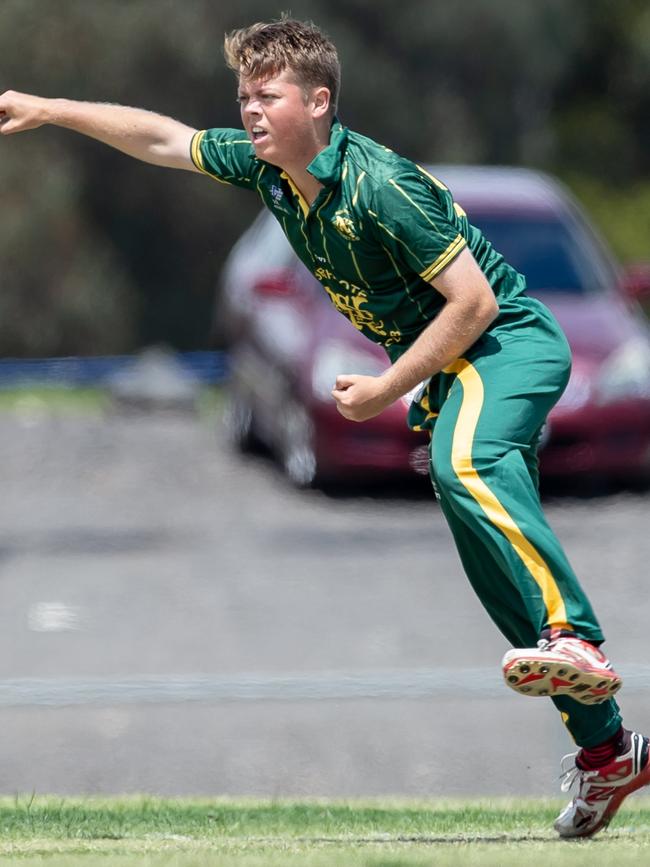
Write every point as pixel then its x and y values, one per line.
pixel 461 459
pixel 197 156
pixel 444 258
pixel 195 150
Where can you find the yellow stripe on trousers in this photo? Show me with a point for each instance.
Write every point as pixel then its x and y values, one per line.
pixel 461 459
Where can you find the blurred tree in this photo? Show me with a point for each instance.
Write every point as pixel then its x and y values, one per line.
pixel 63 287
pixel 99 253
pixel 165 233
pixel 480 91
pixel 602 112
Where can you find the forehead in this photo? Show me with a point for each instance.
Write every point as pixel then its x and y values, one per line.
pixel 282 80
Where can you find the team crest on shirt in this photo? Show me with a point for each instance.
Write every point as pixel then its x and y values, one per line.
pixel 344 225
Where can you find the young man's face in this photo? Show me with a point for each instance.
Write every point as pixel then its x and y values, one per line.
pixel 279 117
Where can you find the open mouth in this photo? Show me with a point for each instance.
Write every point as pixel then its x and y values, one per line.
pixel 258 134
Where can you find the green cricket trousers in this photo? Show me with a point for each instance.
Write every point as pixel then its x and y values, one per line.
pixel 485 413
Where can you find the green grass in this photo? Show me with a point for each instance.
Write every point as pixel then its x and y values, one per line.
pixel 63 400
pixel 152 832
pixel 33 400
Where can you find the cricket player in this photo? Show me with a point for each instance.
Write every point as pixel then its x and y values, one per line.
pixel 398 257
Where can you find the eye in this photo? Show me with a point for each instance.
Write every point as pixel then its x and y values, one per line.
pixel 241 99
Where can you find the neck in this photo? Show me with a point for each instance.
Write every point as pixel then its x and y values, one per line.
pixel 307 184
pixel 297 169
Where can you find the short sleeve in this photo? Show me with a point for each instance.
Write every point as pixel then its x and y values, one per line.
pixel 417 223
pixel 226 155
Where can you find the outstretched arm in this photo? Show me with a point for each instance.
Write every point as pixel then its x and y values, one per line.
pixel 468 311
pixel 142 134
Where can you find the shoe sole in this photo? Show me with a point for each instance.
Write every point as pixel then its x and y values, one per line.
pixel 531 676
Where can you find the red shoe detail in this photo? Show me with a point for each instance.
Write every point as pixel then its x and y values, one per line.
pixel 602 791
pixel 566 666
pixel 557 682
pixel 530 678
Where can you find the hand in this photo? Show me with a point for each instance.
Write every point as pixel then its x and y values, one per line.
pixel 359 398
pixel 20 112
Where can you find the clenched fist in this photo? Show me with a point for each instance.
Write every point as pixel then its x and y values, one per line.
pixel 359 398
pixel 21 111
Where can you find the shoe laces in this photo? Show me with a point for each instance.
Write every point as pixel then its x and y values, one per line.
pixel 570 773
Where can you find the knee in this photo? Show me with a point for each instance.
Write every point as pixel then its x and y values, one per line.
pixel 455 477
pixel 447 479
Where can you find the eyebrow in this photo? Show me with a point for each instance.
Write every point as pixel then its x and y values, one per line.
pixel 260 89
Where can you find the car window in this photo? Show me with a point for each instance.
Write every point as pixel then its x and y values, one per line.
pixel 553 256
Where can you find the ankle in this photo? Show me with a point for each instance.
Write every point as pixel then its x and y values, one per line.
pixel 591 758
pixel 552 634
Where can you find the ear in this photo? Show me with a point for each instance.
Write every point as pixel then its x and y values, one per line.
pixel 320 101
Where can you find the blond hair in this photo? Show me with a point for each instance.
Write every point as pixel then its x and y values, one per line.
pixel 264 50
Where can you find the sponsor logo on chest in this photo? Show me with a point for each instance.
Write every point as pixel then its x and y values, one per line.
pixel 277 199
pixel 277 194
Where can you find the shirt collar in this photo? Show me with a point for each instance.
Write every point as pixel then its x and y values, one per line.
pixel 327 166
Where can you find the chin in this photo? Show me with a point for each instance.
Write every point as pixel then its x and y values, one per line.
pixel 267 155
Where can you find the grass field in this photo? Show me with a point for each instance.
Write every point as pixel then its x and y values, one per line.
pixel 56 399
pixel 32 400
pixel 152 832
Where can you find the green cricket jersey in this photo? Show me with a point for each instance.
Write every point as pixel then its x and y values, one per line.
pixel 379 231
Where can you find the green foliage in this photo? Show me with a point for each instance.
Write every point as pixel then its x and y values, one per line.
pixel 101 254
pixel 622 214
pixel 62 284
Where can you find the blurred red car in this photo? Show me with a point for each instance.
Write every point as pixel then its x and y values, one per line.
pixel 288 343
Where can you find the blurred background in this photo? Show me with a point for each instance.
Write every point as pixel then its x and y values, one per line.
pixel 102 255
pixel 177 619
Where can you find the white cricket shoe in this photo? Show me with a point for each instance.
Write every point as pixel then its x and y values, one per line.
pixel 602 791
pixel 564 666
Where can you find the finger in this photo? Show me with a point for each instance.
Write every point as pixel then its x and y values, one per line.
pixel 345 380
pixel 10 125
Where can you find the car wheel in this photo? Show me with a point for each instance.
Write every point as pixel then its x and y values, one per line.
pixel 297 455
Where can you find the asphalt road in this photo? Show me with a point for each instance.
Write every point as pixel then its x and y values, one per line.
pixel 178 621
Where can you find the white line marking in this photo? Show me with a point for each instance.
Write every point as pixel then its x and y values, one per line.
pixel 171 689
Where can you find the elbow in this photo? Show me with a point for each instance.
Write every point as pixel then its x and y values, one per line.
pixel 488 310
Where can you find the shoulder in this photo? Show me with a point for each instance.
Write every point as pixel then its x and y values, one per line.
pixel 226 155
pixel 387 175
pixel 375 160
pixel 225 136
pixel 222 141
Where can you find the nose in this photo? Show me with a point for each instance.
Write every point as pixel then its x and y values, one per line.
pixel 252 108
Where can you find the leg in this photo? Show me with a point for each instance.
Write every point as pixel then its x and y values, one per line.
pixel 491 406
pixel 481 471
pixel 626 755
pixel 487 576
pixel 588 725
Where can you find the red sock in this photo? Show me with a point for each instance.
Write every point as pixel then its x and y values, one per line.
pixel 590 758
